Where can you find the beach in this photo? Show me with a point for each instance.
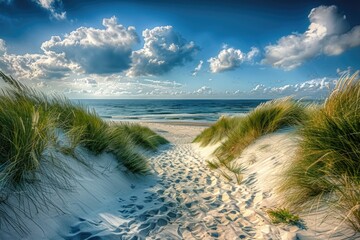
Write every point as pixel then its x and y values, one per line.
pixel 181 198
pixel 152 120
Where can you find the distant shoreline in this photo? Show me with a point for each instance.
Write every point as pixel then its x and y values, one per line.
pixel 175 123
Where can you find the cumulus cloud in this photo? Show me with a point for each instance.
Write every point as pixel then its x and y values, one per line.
pixel 97 50
pixel 53 6
pixel 313 88
pixel 230 59
pixel 163 50
pixel 37 66
pixel 328 34
pixel 198 68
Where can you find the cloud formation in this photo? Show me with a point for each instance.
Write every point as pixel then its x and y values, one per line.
pixel 97 50
pixel 163 50
pixel 204 90
pixel 53 6
pixel 118 86
pixel 313 88
pixel 328 34
pixel 230 58
pixel 37 66
pixel 2 46
pixel 198 68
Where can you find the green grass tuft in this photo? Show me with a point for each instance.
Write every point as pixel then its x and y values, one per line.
pixel 266 118
pixel 25 132
pixel 327 170
pixel 139 135
pixel 283 215
pixel 31 169
pixel 218 131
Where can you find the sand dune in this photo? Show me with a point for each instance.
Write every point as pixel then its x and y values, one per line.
pixel 181 199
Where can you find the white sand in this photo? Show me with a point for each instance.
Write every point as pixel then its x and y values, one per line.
pixel 181 199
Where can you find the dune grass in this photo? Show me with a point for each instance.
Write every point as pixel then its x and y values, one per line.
pixel 218 131
pixel 240 132
pixel 266 118
pixel 327 170
pixel 125 137
pixel 283 215
pixel 83 127
pixel 139 135
pixel 30 122
pixel 25 132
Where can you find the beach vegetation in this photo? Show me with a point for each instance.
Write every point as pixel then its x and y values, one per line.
pixel 31 125
pixel 266 118
pixel 236 133
pixel 326 171
pixel 139 135
pixel 283 215
pixel 218 131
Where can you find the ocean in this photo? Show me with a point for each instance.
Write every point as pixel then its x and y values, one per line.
pixel 168 110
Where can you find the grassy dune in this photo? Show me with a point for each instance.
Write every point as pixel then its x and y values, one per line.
pixel 239 132
pixel 30 126
pixel 218 131
pixel 327 170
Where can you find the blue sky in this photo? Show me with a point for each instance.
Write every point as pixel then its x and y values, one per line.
pixel 180 49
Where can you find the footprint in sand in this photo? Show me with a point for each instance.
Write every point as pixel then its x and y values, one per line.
pixel 187 202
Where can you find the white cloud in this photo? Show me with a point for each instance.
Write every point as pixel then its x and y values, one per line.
pixel 115 85
pixel 53 7
pixel 230 59
pixel 339 44
pixel 163 50
pixel 2 46
pixel 37 66
pixel 198 68
pixel 318 87
pixel 97 50
pixel 204 90
pixel 252 53
pixel 327 34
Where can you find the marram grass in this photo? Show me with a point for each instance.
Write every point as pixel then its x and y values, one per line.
pixel 327 170
pixel 25 132
pixel 239 132
pixel 218 131
pixel 139 135
pixel 266 118
pixel 283 215
pixel 30 164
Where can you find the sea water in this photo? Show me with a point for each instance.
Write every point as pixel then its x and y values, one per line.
pixel 169 110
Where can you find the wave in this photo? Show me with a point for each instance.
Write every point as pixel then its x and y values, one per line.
pixel 206 117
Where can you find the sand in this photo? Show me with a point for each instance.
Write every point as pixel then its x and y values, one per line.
pixel 180 199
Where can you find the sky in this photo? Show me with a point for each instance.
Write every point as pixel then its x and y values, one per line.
pixel 180 49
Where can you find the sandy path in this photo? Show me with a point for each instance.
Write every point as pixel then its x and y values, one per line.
pixel 183 200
